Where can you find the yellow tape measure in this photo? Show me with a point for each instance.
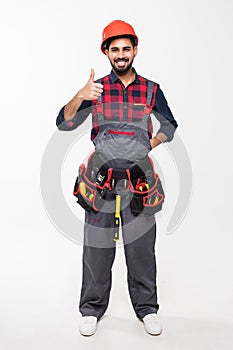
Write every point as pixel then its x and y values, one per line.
pixel 117 216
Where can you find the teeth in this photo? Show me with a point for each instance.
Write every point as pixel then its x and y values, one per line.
pixel 121 63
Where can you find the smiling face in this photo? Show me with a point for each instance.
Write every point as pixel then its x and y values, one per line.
pixel 121 54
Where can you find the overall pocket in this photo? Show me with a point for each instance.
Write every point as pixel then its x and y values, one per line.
pixel 124 141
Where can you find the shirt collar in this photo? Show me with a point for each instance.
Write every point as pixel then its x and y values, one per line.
pixel 114 78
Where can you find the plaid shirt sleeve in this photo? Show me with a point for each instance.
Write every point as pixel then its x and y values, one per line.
pixel 80 116
pixel 164 115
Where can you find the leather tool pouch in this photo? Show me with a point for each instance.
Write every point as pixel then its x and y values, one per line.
pixel 88 192
pixel 148 194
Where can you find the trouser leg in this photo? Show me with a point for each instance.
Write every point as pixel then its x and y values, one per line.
pixel 97 280
pixel 141 262
pixel 98 256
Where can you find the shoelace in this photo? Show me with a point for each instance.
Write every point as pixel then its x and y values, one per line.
pixel 88 320
pixel 152 318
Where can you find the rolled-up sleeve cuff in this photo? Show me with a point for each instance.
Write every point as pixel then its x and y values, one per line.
pixel 63 124
pixel 78 119
pixel 167 130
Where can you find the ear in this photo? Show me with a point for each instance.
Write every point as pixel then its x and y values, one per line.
pixel 135 50
pixel 106 51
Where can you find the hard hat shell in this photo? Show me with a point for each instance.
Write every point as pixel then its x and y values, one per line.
pixel 115 29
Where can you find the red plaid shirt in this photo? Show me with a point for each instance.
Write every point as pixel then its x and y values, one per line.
pixel 122 103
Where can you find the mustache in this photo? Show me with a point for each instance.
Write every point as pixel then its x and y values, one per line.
pixel 121 60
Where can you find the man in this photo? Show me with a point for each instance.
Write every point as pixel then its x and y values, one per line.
pixel 128 94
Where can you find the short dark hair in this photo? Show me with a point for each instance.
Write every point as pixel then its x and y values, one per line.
pixel 107 43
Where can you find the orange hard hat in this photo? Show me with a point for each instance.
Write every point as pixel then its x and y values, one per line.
pixel 117 28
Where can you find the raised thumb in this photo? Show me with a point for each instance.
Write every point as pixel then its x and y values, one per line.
pixel 92 77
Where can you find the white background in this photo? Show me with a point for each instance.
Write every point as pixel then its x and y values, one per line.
pixel 47 51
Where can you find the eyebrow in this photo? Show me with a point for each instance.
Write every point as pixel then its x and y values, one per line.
pixel 125 47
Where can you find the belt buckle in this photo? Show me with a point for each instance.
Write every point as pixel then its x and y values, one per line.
pixel 120 186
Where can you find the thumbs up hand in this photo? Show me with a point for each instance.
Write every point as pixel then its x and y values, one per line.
pixel 92 90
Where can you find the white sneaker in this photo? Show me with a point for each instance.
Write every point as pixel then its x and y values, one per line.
pixel 152 324
pixel 88 325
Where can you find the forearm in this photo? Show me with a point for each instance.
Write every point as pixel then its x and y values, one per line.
pixel 72 107
pixel 156 140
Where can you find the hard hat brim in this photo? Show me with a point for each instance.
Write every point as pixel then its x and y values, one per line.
pixel 106 42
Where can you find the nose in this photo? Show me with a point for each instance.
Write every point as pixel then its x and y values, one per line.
pixel 120 54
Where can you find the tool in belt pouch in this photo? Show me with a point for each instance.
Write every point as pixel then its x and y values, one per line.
pixel 91 185
pixel 148 195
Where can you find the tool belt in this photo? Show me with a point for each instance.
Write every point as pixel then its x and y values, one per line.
pixel 140 181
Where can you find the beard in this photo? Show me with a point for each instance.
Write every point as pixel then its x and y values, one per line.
pixel 121 70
